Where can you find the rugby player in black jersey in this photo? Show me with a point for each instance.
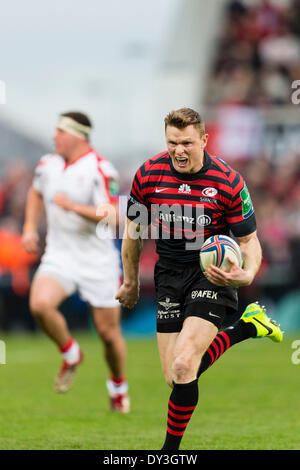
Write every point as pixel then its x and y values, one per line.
pixel 189 195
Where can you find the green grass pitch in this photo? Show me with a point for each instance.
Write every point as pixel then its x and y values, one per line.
pixel 248 400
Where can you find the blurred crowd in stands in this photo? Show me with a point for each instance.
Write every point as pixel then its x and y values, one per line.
pixel 15 263
pixel 258 53
pixel 257 58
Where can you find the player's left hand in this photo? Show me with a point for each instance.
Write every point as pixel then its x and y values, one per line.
pixel 234 277
pixel 128 294
pixel 63 201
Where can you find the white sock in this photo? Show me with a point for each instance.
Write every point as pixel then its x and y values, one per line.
pixel 72 355
pixel 115 389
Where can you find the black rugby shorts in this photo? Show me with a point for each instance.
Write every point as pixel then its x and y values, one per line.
pixel 183 291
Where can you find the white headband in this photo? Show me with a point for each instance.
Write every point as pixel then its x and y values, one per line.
pixel 69 125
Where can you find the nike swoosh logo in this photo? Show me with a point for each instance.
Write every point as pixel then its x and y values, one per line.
pixel 213 315
pixel 160 190
pixel 265 326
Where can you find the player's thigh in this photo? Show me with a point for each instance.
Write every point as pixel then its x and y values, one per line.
pixel 166 346
pixel 46 292
pixel 193 340
pixel 107 321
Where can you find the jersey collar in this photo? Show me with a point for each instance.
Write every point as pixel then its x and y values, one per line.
pixel 67 164
pixel 192 176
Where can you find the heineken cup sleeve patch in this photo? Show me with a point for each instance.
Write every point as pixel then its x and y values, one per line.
pixel 247 206
pixel 113 187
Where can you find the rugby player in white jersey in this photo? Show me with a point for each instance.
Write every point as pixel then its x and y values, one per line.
pixel 72 184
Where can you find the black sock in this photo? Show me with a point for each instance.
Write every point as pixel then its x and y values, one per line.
pixel 224 340
pixel 183 400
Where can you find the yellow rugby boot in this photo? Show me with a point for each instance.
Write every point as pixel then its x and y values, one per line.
pixel 265 327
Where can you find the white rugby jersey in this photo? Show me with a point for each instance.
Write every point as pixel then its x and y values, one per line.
pixel 89 180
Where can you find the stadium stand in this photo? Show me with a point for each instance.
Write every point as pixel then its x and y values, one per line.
pixel 255 126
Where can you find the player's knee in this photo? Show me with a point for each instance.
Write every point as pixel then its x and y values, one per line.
pixel 108 334
pixel 38 306
pixel 181 367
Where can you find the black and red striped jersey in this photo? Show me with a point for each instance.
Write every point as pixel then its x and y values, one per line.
pixel 187 208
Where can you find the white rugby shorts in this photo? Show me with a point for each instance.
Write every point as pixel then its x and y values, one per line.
pixel 98 290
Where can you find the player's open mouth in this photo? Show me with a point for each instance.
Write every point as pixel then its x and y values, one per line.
pixel 181 161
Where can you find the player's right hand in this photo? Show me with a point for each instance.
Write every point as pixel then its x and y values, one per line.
pixel 30 241
pixel 235 277
pixel 128 295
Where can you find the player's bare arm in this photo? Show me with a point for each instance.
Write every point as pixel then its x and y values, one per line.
pixel 34 208
pixel 132 246
pixel 238 277
pixel 107 213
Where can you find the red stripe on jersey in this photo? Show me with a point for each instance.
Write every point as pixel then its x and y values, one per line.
pixel 171 202
pixel 159 155
pixel 139 177
pixel 136 196
pixel 111 199
pixel 208 205
pixel 236 219
pixel 204 182
pixel 160 166
pixel 238 187
pixel 136 190
pixel 163 165
pixel 153 160
pixel 217 173
pixel 67 164
pixel 224 187
pixel 223 167
pixel 41 163
pixel 236 206
pixel 232 176
pixel 180 231
pixel 44 160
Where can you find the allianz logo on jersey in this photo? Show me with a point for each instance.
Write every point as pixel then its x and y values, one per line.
pixel 202 219
pixel 184 189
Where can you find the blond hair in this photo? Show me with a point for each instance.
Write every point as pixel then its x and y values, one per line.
pixel 185 117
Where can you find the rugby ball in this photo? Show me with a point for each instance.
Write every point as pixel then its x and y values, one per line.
pixel 216 249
